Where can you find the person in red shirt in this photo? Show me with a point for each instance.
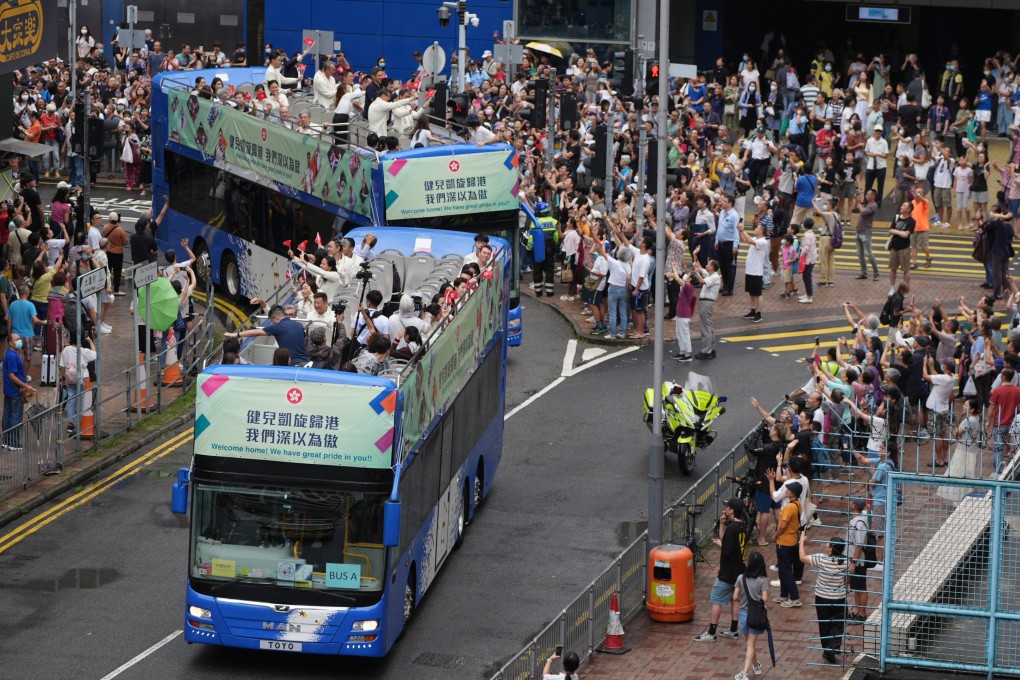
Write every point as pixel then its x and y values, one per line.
pixel 1002 409
pixel 823 142
pixel 50 122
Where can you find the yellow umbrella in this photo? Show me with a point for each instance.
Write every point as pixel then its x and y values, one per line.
pixel 542 47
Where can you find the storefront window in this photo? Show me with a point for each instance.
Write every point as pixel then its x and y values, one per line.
pixel 592 20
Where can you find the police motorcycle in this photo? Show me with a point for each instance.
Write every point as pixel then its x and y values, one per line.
pixel 688 414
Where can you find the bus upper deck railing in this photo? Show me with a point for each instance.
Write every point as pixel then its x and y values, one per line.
pixel 353 133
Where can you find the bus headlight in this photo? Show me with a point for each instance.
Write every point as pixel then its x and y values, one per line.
pixel 514 323
pixel 199 613
pixel 365 625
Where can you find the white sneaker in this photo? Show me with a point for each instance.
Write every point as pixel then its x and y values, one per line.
pixel 609 336
pixel 805 301
pixel 740 676
pixel 774 584
pixel 815 522
pixel 705 637
pixel 878 567
pixel 757 669
pixel 773 568
pixel 106 330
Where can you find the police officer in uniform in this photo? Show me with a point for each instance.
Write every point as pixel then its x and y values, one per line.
pixel 544 270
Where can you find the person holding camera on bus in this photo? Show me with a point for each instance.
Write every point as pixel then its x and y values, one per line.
pixel 371 319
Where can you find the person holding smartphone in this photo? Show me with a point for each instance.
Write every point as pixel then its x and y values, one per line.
pixel 569 661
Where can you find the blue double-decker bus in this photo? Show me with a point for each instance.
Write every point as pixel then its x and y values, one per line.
pixel 323 503
pixel 244 188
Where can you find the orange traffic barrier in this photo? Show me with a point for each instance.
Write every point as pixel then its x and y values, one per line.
pixel 139 395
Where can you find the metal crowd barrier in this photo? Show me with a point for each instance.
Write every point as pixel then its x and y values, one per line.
pixel 581 625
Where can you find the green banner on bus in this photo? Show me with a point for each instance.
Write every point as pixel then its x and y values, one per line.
pixel 294 422
pixel 437 378
pixel 433 186
pixel 302 162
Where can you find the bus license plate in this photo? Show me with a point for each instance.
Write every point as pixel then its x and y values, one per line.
pixel 280 645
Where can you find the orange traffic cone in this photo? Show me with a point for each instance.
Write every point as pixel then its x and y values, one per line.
pixel 88 418
pixel 613 644
pixel 172 373
pixel 139 396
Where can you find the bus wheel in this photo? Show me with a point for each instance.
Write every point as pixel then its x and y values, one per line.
pixel 462 521
pixel 230 277
pixel 409 598
pixel 203 266
pixel 479 486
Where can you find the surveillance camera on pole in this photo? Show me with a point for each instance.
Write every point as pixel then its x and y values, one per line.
pixel 444 16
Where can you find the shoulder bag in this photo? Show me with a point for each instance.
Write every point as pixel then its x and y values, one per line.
pixel 757 614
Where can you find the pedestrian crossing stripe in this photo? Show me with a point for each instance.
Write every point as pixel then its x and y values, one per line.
pixel 828 337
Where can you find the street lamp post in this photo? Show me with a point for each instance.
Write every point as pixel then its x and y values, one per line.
pixel 464 18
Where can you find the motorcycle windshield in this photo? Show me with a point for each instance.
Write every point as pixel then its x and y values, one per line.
pixel 699 383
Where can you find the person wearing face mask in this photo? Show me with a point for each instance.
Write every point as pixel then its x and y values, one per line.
pixel 16 388
pixel 84 42
pixel 951 84
pixel 750 105
pixel 827 79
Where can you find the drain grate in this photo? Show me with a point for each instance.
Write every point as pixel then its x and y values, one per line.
pixel 433 660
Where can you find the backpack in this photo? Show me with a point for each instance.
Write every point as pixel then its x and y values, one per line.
pixel 885 316
pixel 75 314
pixel 836 237
pixel 870 550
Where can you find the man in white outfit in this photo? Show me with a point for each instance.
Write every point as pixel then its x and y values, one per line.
pixel 324 86
pixel 379 110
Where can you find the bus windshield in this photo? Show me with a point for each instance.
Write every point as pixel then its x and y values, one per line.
pixel 288 536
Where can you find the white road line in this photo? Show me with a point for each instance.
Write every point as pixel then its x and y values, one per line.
pixel 141 656
pixel 527 402
pixel 607 357
pixel 571 348
pixel 568 358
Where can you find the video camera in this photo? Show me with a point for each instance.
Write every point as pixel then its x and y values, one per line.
pixel 364 275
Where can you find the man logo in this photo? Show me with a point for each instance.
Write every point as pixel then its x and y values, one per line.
pixel 21 30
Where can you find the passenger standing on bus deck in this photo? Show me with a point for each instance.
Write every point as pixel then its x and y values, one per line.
pixel 324 85
pixel 347 267
pixel 327 278
pixel 480 240
pixel 371 319
pixel 289 334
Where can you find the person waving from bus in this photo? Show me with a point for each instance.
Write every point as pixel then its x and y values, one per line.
pixel 327 278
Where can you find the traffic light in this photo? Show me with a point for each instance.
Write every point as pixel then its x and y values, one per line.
pixel 568 110
pixel 623 72
pixel 437 114
pixel 652 78
pixel 538 103
pixel 78 135
pixel 458 108
pixel 601 157
pixel 96 134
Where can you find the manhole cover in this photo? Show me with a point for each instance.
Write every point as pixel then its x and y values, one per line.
pixel 433 660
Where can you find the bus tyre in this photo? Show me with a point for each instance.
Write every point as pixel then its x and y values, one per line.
pixel 479 488
pixel 462 521
pixel 230 277
pixel 409 599
pixel 685 455
pixel 202 265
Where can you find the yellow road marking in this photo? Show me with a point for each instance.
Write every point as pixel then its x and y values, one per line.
pixel 25 530
pixel 230 310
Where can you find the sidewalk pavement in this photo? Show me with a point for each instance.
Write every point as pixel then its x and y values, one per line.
pixel 668 650
pixel 868 295
pixel 117 353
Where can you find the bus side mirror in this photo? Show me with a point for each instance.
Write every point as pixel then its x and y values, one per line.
pixel 179 497
pixel 391 524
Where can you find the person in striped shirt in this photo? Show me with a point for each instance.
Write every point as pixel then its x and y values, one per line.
pixel 830 591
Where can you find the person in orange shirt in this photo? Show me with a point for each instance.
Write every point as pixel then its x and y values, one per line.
pixel 921 213
pixel 33 133
pixel 118 239
pixel 50 123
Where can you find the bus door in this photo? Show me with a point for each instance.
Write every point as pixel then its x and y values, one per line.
pixel 447 498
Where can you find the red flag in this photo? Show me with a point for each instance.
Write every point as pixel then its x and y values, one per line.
pixel 287 243
pixel 309 42
pixel 487 275
pixel 288 273
pixel 318 239
pixel 301 246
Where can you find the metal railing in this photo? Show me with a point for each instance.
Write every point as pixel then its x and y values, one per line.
pixel 44 441
pixel 950 594
pixel 581 625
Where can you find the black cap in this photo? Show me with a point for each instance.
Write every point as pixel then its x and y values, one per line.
pixel 795 488
pixel 735 505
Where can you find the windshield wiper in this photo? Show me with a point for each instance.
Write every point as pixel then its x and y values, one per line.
pixel 246 579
